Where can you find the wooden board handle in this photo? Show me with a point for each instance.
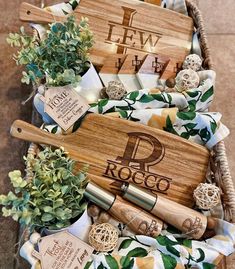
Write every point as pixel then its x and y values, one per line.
pixel 28 132
pixel 32 13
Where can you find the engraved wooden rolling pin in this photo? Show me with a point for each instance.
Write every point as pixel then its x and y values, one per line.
pixel 187 220
pixel 135 218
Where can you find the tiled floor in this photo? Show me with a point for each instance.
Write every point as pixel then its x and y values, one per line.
pixel 219 19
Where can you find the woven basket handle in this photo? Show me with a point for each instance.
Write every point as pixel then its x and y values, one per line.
pixel 28 132
pixel 32 13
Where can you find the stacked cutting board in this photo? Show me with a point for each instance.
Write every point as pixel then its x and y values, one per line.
pixel 124 151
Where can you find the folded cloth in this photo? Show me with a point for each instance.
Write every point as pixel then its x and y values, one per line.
pixel 202 128
pixel 197 99
pixel 176 5
pixel 180 113
pixel 167 251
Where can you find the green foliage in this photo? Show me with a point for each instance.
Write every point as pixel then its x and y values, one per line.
pixel 60 58
pixel 52 198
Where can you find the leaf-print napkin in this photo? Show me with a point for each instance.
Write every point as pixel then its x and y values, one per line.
pixel 203 128
pixel 167 252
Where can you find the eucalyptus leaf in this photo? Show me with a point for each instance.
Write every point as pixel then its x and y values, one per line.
pixel 48 209
pixel 47 217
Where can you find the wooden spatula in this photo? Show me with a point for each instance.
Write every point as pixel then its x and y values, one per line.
pixel 127 26
pixel 120 150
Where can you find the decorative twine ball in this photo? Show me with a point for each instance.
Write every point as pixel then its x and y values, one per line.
pixel 206 196
pixel 186 79
pixel 192 61
pixel 103 237
pixel 115 90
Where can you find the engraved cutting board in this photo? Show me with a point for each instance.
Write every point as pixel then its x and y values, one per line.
pixel 121 150
pixel 127 26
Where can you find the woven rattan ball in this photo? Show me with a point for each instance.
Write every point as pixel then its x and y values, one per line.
pixel 103 237
pixel 192 61
pixel 115 90
pixel 206 196
pixel 186 79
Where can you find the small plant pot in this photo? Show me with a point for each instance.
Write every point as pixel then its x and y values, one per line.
pixel 89 87
pixel 79 228
pixel 39 105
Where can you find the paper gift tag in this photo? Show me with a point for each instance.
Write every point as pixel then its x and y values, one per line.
pixel 127 73
pixel 63 250
pixel 111 67
pixel 151 70
pixel 64 105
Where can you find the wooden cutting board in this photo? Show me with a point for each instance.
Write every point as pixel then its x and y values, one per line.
pixel 127 26
pixel 118 149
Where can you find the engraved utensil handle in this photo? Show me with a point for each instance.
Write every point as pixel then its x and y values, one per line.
pixel 32 13
pixel 28 132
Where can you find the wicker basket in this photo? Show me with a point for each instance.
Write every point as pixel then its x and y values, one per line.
pixel 220 173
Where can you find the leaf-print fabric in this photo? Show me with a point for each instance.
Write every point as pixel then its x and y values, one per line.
pixel 202 128
pixel 167 252
pixel 182 114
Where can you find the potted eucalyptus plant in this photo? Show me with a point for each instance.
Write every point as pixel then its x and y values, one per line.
pixel 52 198
pixel 59 58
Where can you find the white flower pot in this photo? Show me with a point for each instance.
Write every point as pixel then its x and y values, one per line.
pixel 80 228
pixel 90 85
